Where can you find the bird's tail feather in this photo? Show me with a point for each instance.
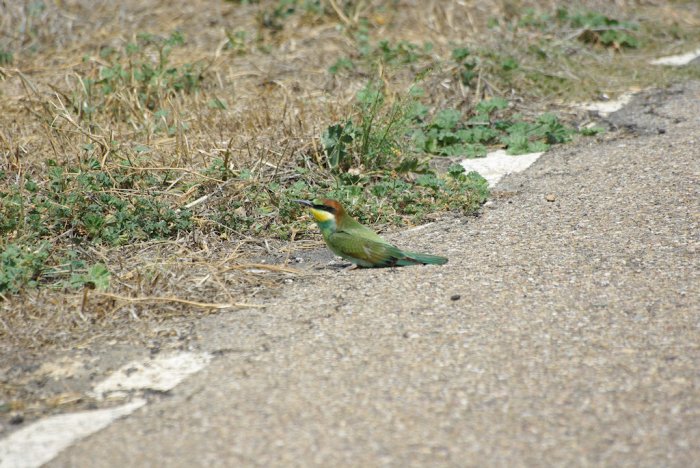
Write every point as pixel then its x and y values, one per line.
pixel 412 258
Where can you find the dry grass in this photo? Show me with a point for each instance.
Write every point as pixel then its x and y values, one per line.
pixel 272 75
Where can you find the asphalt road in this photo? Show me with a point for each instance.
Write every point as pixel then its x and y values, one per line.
pixel 575 339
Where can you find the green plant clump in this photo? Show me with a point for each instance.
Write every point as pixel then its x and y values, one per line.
pixel 449 134
pixel 371 166
pixel 595 28
pixel 140 76
pixel 6 57
pixel 383 51
pixel 21 266
pixel 467 64
pixel 95 205
pixel 273 18
pixel 373 156
pixel 376 137
pixel 84 204
pixel 380 154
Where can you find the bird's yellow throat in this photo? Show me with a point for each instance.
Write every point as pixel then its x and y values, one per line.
pixel 321 215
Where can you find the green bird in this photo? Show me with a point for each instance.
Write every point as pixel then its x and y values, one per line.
pixel 358 244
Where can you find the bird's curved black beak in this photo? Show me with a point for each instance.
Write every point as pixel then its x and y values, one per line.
pixel 303 202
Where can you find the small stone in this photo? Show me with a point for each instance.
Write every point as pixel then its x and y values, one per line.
pixel 16 418
pixel 550 197
pixel 455 297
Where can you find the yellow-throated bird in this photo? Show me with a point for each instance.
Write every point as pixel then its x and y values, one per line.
pixel 358 244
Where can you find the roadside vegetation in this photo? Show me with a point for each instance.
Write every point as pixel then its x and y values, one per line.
pixel 148 163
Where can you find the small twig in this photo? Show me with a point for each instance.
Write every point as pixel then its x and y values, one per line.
pixel 217 280
pixel 563 76
pixel 204 305
pixel 418 228
pixel 204 198
pixel 262 266
pixel 9 330
pixel 230 256
pixel 83 304
pixel 477 91
pixel 26 81
pixel 201 199
pixel 174 183
pixel 597 29
pixel 340 13
pixel 491 86
pixel 133 314
pixel 181 169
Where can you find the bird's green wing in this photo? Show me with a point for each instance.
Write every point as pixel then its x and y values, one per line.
pixel 352 227
pixel 366 252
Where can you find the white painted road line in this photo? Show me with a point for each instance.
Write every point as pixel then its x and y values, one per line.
pixel 159 374
pixel 39 442
pixel 36 444
pixel 498 164
pixel 677 60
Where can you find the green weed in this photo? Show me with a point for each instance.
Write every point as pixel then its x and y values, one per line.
pixel 29 264
pixel 93 204
pixel 595 28
pixel 342 64
pixel 374 158
pixel 96 277
pixel 237 41
pixel 600 29
pixel 6 57
pixel 466 64
pixel 450 134
pixel 370 54
pixel 87 205
pixel 370 165
pixel 21 266
pixel 136 79
pixel 274 18
pixel 375 138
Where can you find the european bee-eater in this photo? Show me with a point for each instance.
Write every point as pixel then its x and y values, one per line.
pixel 358 244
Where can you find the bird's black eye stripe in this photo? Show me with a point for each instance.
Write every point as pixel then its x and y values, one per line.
pixel 329 209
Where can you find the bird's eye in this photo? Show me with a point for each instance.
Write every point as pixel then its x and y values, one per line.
pixel 327 208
